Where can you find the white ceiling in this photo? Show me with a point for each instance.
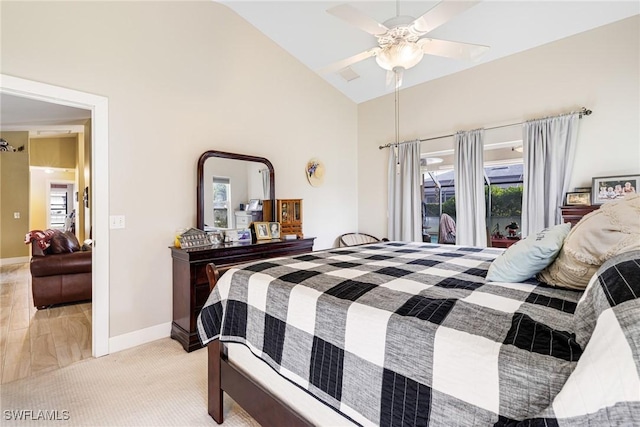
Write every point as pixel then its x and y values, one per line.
pixel 16 111
pixel 317 39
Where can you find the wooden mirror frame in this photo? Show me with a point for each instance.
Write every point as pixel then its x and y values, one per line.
pixel 224 155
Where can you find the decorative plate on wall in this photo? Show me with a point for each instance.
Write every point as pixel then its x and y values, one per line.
pixel 315 172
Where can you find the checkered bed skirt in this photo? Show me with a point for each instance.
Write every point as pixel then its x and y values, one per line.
pixel 403 333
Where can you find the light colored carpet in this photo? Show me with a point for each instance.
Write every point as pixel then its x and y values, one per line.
pixel 156 384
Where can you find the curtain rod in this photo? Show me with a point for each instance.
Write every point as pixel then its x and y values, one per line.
pixel 582 112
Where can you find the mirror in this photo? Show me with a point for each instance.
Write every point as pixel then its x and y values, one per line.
pixel 227 180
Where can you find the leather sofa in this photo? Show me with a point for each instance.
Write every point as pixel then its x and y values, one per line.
pixel 61 273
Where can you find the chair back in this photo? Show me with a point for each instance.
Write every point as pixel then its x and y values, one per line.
pixel 447 233
pixel 355 239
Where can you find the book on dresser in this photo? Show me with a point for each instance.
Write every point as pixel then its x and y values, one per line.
pixel 191 285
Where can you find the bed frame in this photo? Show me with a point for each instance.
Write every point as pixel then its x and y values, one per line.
pixel 222 376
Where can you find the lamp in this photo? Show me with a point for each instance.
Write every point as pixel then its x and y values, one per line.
pixel 401 54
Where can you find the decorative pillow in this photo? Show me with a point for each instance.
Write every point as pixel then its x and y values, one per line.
pixel 62 243
pixel 600 235
pixel 528 257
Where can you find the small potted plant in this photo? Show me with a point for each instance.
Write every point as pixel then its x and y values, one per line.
pixel 512 230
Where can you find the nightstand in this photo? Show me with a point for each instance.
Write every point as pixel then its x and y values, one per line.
pixel 573 214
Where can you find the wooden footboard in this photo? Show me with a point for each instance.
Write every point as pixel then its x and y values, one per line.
pixel 263 406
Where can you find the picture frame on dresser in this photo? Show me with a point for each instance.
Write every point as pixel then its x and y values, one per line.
pixel 607 188
pixel 582 190
pixel 262 230
pixel 578 199
pixel 274 230
pixel 253 205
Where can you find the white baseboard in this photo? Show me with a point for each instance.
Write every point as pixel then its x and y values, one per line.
pixel 17 260
pixel 142 336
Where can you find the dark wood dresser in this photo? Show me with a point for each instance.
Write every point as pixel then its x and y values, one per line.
pixel 191 286
pixel 573 214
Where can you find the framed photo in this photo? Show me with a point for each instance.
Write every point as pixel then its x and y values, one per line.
pixel 253 205
pixel 262 230
pixel 274 230
pixel 582 190
pixel 578 198
pixel 238 235
pixel 607 188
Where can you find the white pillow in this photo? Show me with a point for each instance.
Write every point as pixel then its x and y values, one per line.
pixel 526 258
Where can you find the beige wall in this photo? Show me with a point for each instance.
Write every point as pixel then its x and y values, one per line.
pixel 182 78
pixel 54 152
pixel 599 69
pixel 14 196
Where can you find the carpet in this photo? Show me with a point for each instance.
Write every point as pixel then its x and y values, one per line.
pixel 155 384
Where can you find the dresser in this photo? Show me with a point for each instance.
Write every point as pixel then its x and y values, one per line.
pixel 573 214
pixel 191 286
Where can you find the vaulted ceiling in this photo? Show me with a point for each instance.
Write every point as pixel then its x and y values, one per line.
pixel 318 39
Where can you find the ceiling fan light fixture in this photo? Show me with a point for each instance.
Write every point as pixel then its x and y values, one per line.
pixel 402 54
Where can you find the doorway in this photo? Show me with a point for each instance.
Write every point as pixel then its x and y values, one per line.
pixel 60 206
pixel 99 199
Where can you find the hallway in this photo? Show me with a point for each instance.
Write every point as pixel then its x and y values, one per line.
pixel 34 341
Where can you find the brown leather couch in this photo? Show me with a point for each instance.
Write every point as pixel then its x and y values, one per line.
pixel 61 273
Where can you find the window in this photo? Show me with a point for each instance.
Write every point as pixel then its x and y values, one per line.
pixel 221 202
pixel 503 177
pixel 503 196
pixel 438 197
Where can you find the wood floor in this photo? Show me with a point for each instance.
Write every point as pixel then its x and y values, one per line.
pixel 34 341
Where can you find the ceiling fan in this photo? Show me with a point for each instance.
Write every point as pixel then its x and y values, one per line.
pixel 401 44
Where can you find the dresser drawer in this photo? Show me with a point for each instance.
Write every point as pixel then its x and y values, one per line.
pixel 243 221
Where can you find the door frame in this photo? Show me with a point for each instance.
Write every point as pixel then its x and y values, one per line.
pixel 99 107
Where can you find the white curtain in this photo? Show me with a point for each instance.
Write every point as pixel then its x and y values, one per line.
pixel 548 152
pixel 266 176
pixel 405 203
pixel 471 227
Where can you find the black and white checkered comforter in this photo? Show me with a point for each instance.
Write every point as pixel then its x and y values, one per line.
pixel 412 334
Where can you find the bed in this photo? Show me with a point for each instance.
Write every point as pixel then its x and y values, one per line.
pixel 400 333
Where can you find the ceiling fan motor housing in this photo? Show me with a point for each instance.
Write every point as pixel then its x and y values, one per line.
pixel 398 47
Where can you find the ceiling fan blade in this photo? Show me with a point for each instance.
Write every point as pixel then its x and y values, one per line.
pixel 358 19
pixel 449 49
pixel 441 13
pixel 339 65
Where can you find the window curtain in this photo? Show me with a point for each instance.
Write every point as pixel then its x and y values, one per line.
pixel 405 201
pixel 471 227
pixel 266 176
pixel 548 147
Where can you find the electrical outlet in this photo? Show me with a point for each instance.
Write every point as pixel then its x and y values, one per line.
pixel 116 221
pixel 16 215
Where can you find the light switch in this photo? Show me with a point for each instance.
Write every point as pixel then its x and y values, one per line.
pixel 116 221
pixel 16 215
